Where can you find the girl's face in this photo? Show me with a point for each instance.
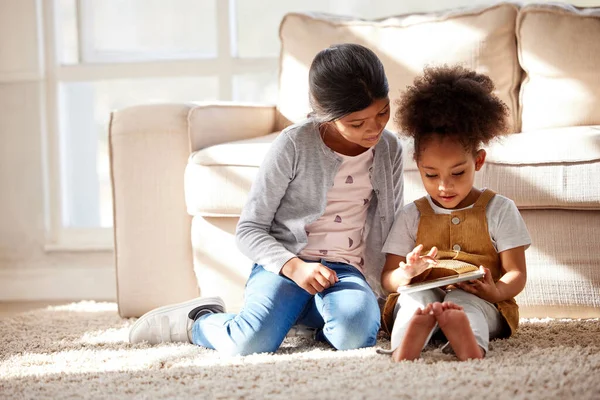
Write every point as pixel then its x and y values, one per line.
pixel 364 127
pixel 448 172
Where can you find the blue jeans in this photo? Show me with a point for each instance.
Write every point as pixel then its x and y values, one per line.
pixel 346 315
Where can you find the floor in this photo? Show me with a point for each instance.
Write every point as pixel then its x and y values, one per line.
pixel 11 308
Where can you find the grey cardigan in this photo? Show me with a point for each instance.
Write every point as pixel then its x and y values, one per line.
pixel 290 192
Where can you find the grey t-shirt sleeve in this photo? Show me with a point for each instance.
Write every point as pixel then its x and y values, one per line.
pixel 403 235
pixel 270 185
pixel 505 224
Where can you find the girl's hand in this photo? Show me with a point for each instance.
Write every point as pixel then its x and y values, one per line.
pixel 312 277
pixel 484 288
pixel 416 263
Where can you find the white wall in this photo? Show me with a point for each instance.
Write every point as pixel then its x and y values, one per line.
pixel 27 271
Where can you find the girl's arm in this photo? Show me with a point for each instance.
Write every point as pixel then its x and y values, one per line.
pixel 398 271
pixel 510 284
pixel 270 185
pixel 512 239
pixel 513 281
pixel 390 281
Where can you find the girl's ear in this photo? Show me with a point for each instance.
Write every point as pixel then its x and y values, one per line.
pixel 480 159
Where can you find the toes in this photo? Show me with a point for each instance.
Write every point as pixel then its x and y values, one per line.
pixel 448 305
pixel 424 311
pixel 437 308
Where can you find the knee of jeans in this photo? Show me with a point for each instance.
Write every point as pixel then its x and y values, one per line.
pixel 354 331
pixel 255 343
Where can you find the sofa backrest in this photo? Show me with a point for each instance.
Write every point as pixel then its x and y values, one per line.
pixel 479 38
pixel 559 51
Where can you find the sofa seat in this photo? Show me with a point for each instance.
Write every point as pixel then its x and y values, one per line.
pixel 546 169
pixel 547 173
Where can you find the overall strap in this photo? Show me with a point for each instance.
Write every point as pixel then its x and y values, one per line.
pixel 424 207
pixel 484 198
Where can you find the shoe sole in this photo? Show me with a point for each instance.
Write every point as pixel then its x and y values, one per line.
pixel 198 302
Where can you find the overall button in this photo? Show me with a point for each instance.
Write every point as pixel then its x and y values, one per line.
pixel 456 247
pixel 456 220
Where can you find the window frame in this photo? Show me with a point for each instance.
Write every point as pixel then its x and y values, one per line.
pixel 224 66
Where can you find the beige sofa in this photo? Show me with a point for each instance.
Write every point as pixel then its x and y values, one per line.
pixel 181 172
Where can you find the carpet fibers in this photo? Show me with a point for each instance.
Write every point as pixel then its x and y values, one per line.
pixel 81 351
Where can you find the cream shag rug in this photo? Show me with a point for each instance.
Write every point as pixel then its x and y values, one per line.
pixel 81 351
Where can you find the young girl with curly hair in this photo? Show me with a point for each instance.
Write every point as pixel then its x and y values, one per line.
pixel 450 113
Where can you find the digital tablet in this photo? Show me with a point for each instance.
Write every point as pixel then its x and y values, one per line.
pixel 447 280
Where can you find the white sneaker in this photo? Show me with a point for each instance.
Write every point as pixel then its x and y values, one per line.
pixel 172 323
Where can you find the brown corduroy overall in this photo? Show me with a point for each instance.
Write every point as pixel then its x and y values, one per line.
pixel 463 236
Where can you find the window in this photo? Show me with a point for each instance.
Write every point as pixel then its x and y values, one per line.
pixel 103 55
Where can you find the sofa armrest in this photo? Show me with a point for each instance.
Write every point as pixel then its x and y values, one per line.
pixel 149 149
pixel 211 124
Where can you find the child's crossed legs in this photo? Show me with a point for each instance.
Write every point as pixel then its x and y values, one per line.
pixel 467 321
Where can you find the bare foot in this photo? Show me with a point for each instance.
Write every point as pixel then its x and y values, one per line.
pixel 417 331
pixel 453 321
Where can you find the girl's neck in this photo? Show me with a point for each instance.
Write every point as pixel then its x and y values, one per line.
pixel 338 143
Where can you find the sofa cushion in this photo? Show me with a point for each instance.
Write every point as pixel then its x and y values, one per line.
pixel 559 51
pixel 218 178
pixel 478 38
pixel 543 169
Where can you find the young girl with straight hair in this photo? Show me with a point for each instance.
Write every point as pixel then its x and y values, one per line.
pixel 314 223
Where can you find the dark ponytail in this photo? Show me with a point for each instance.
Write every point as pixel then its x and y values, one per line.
pixel 343 79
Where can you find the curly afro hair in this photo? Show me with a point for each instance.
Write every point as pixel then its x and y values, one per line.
pixel 452 102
